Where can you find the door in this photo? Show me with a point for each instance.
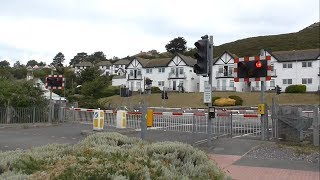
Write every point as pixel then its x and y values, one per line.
pixel 224 85
pixel 174 85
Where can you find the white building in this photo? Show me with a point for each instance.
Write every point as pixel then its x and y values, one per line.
pixel 82 66
pixel 288 68
pixel 173 74
pixel 105 67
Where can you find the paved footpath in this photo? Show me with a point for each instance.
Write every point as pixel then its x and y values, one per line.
pixel 237 172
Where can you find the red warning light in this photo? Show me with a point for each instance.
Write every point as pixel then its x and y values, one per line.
pixel 258 64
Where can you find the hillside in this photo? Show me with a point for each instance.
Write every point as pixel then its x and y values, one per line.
pixel 308 38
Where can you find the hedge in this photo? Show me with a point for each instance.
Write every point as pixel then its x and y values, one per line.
pixel 239 100
pixel 296 89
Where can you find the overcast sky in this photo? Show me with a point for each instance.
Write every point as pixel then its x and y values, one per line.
pixel 39 29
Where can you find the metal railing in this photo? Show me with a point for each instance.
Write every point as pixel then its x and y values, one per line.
pixel 177 75
pixel 13 115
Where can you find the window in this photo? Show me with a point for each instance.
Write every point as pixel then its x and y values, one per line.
pixel 131 72
pixel 160 83
pixel 161 70
pixel 306 80
pixel 286 81
pixel 139 85
pixel 139 72
pixel 172 71
pixel 180 70
pixel 116 66
pixel 272 83
pixel 218 83
pixel 257 84
pixel 307 64
pixel 220 69
pixel 231 83
pixel 149 71
pixel 287 65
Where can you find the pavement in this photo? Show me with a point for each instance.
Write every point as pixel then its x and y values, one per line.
pixel 230 154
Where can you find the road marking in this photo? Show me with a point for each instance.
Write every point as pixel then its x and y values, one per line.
pixel 73 138
pixel 53 136
pixel 6 146
pixel 63 137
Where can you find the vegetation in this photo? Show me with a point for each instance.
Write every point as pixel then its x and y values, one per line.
pixel 109 156
pixel 177 45
pixel 307 38
pixel 20 94
pixel 239 100
pixel 296 89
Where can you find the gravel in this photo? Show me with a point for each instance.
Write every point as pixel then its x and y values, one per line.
pixel 273 151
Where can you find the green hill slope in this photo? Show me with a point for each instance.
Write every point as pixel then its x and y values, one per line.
pixel 308 38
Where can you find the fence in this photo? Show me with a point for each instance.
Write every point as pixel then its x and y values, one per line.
pixel 13 115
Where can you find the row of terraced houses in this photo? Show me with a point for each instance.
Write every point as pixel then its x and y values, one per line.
pixel 176 73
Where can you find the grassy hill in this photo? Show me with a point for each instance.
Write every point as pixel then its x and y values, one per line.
pixel 308 38
pixel 195 100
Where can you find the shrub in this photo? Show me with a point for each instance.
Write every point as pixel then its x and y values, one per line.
pixel 214 98
pixel 110 156
pixel 296 89
pixel 239 100
pixel 155 90
pixel 225 102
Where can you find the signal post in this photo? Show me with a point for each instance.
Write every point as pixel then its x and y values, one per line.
pixel 203 67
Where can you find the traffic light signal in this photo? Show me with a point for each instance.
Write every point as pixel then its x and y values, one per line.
pixel 55 82
pixel 148 81
pixel 278 89
pixel 202 56
pixel 252 69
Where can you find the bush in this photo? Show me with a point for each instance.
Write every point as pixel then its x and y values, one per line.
pixel 110 156
pixel 239 100
pixel 225 102
pixel 214 98
pixel 296 89
pixel 155 90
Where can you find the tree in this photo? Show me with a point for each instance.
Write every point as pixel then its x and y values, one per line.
pixel 88 74
pixel 17 64
pixel 58 60
pixel 20 94
pixel 177 45
pixel 19 73
pixel 97 57
pixel 80 57
pixel 4 64
pixel 32 63
pixel 41 63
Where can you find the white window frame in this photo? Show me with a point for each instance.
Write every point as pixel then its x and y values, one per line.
pixel 160 83
pixel 149 71
pixel 307 80
pixel 286 81
pixel 306 64
pixel 272 83
pixel 181 71
pixel 162 70
pixel 231 83
pixel 287 65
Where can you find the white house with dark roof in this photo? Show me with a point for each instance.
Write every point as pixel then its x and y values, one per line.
pixel 296 67
pixel 105 67
pixel 173 74
pixel 288 68
pixel 82 66
pixel 119 67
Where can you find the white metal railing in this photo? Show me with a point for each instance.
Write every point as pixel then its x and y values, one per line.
pixel 177 75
